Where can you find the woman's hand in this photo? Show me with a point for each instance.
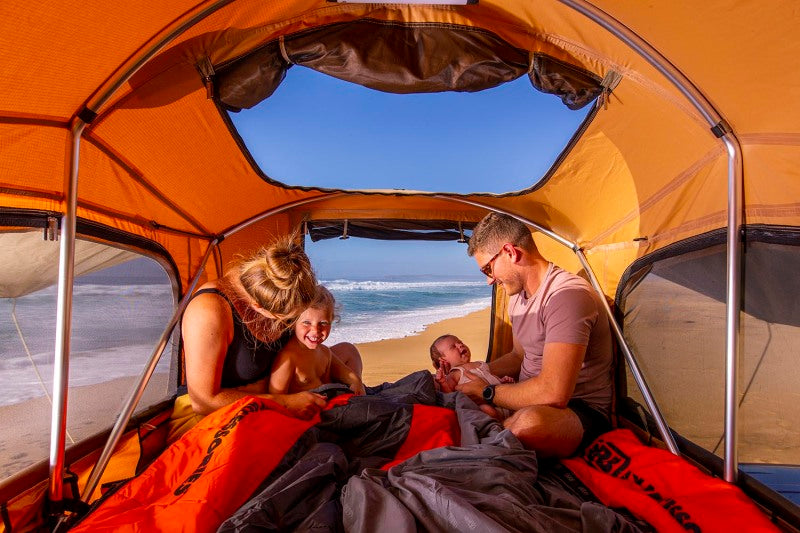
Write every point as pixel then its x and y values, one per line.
pixel 302 404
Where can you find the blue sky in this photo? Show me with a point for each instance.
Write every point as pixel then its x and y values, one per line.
pixel 317 130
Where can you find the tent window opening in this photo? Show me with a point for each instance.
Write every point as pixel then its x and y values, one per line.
pixel 121 304
pixel 452 109
pixel 674 320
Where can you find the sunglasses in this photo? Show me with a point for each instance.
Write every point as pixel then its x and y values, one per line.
pixel 486 269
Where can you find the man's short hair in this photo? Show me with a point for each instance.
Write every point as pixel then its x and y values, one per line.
pixel 496 229
pixel 435 353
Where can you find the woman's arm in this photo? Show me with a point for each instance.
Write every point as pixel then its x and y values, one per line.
pixel 344 374
pixel 207 330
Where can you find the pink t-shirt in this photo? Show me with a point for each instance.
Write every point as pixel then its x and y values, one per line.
pixel 565 308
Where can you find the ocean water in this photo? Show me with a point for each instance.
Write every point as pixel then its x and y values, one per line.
pixel 376 310
pixel 116 327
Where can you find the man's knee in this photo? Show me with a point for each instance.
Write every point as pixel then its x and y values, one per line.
pixel 551 431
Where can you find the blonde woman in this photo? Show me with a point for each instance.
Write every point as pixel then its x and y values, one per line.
pixel 234 326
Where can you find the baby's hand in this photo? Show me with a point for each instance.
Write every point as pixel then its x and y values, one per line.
pixel 358 389
pixel 441 380
pixel 507 379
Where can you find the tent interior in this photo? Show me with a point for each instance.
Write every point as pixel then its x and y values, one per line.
pixel 639 201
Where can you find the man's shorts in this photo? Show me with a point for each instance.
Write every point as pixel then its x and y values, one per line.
pixel 594 422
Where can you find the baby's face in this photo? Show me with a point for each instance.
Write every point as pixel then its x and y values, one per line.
pixel 453 350
pixel 313 327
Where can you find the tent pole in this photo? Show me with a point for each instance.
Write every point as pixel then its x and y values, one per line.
pixel 663 428
pixel 66 276
pixel 721 129
pixel 261 216
pixel 136 394
pixel 732 310
pixel 66 267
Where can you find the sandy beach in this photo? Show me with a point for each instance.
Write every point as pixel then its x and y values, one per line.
pixel 390 360
pixel 94 408
pixel 91 409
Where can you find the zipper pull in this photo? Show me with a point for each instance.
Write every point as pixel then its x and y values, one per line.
pixel 206 70
pixel 51 229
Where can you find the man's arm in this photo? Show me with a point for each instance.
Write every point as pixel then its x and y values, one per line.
pixel 510 363
pixel 554 384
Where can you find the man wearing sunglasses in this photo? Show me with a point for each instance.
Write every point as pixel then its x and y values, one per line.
pixel 561 355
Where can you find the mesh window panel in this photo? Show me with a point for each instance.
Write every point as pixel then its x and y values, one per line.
pixel 122 302
pixel 674 320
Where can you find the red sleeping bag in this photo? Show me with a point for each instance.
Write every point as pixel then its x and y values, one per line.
pixel 662 488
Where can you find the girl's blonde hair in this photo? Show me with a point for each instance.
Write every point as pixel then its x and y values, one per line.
pixel 280 279
pixel 324 301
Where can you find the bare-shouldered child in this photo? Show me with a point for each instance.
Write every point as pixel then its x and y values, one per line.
pixel 305 363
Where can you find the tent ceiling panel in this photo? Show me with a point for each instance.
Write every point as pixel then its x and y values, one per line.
pixel 184 151
pixel 32 162
pixel 744 56
pixel 59 57
pixel 646 166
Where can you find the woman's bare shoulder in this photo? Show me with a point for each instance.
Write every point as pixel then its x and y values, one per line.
pixel 208 308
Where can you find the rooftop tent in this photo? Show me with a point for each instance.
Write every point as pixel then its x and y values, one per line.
pixel 657 151
pixel 644 181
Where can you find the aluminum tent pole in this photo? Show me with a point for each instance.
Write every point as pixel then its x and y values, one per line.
pixel 66 275
pixel 66 267
pixel 732 310
pixel 663 428
pixel 136 394
pixel 261 216
pixel 721 129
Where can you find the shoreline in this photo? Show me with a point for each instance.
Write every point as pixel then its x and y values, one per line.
pixel 25 438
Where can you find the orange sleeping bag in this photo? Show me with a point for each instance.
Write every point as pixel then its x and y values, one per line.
pixel 662 488
pixel 206 475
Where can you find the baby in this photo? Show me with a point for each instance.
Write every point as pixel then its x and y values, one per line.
pixel 305 363
pixel 448 353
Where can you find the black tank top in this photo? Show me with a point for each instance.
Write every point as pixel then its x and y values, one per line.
pixel 247 359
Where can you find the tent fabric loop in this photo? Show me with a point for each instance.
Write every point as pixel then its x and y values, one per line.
pixel 284 53
pixel 86 115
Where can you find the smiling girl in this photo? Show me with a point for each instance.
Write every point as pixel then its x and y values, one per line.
pixel 305 363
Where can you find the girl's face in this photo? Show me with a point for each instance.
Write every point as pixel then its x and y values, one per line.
pixel 313 327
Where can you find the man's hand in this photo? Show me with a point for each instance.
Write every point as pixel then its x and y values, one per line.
pixel 474 388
